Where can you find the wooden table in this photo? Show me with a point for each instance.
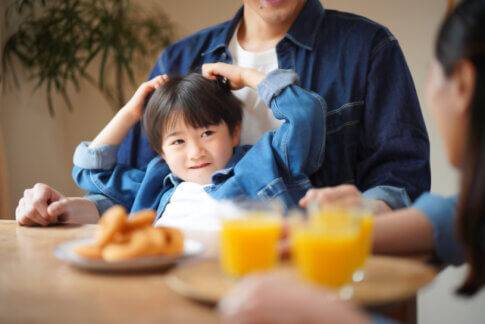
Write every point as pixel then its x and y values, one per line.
pixel 37 287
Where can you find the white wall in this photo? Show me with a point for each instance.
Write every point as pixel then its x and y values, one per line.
pixel 39 148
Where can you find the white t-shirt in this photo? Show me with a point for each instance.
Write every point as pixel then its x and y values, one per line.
pixel 257 117
pixel 190 207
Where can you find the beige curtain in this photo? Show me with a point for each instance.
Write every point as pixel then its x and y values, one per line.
pixel 5 211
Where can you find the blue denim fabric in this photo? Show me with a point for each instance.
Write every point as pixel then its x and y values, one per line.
pixel 276 167
pixel 441 213
pixel 375 133
pixel 379 319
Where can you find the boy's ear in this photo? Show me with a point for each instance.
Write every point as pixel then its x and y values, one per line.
pixel 236 135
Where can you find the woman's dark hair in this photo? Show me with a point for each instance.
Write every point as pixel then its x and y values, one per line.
pixel 462 37
pixel 199 101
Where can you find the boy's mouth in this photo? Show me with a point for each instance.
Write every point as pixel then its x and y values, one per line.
pixel 199 166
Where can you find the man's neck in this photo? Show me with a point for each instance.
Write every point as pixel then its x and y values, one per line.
pixel 257 35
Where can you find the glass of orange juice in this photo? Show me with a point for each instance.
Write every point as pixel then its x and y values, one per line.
pixel 249 238
pixel 366 216
pixel 326 249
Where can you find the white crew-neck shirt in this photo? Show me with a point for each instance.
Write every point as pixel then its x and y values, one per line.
pixel 257 117
pixel 190 207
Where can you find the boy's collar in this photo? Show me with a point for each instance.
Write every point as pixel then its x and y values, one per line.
pixel 222 175
pixel 218 176
pixel 171 179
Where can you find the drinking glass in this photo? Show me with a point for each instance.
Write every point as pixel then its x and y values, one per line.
pixel 325 249
pixel 366 215
pixel 249 237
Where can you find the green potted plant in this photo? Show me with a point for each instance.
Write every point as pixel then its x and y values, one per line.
pixel 57 40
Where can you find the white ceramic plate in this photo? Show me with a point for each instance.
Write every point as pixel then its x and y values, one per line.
pixel 65 251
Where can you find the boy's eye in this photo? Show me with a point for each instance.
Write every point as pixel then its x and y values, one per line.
pixel 178 142
pixel 207 133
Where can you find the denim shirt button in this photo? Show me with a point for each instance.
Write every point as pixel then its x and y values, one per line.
pixel 224 56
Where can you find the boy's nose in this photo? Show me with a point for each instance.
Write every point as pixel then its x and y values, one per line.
pixel 196 151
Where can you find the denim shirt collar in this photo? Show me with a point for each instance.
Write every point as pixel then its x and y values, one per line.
pixel 221 41
pixel 309 19
pixel 219 176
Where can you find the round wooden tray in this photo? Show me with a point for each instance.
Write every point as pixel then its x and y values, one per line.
pixel 387 280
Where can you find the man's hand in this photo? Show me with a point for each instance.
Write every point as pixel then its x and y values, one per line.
pixel 238 76
pixel 346 194
pixel 33 206
pixel 43 205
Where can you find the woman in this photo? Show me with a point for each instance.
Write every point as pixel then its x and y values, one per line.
pixel 453 228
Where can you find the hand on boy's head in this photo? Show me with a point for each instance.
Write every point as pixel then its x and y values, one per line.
pixel 33 207
pixel 135 104
pixel 238 76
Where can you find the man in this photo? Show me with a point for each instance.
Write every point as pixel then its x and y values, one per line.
pixel 376 140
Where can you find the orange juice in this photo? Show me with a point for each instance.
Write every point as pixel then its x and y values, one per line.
pixel 325 257
pixel 366 229
pixel 249 244
pixel 332 218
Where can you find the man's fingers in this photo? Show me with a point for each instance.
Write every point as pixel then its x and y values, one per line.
pixel 341 194
pixel 309 197
pixel 34 216
pixel 20 216
pixel 42 195
pixel 59 210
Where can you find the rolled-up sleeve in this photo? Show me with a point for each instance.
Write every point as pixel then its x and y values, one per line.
pixel 395 197
pixel 274 82
pixel 441 213
pixel 102 157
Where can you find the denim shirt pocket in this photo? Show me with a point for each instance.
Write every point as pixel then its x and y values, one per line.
pixel 341 147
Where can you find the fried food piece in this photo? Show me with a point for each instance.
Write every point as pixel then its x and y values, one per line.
pixel 89 251
pixel 113 221
pixel 175 240
pixel 119 238
pixel 158 240
pixel 140 219
pixel 137 246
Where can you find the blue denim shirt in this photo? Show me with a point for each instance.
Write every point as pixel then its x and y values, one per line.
pixel 276 167
pixel 441 213
pixel 375 134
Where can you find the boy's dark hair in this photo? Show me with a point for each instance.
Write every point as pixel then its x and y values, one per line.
pixel 199 101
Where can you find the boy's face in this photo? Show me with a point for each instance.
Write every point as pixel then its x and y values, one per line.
pixel 194 154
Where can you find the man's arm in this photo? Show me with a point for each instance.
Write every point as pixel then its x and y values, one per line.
pixel 43 205
pixel 394 146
